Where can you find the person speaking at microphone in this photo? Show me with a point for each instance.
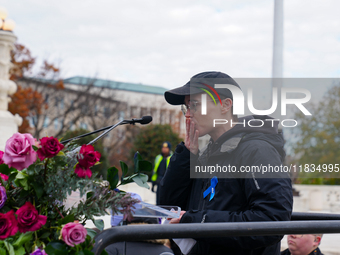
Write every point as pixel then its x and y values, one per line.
pixel 227 196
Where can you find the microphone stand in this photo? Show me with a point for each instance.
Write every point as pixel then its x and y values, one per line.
pixel 107 131
pixel 144 120
pixel 93 132
pixel 74 152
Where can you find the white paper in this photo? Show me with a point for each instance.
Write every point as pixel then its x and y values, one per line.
pixel 185 244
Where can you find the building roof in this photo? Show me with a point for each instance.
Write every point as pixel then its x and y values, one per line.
pixel 135 87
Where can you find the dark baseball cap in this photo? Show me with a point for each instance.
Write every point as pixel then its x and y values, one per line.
pixel 166 145
pixel 194 86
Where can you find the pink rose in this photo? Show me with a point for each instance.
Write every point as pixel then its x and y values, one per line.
pixel 4 177
pixel 87 156
pixel 19 152
pixel 8 225
pixel 82 172
pixel 29 218
pixel 73 233
pixel 1 155
pixel 49 147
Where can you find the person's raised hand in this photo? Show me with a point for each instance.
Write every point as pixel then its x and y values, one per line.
pixel 191 136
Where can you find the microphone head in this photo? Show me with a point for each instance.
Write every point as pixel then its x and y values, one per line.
pixel 146 120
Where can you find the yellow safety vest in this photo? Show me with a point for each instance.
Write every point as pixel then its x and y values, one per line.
pixel 158 161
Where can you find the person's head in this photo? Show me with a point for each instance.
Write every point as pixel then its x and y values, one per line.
pixel 166 148
pixel 303 244
pixel 199 94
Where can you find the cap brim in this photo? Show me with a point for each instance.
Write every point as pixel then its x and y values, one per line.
pixel 177 96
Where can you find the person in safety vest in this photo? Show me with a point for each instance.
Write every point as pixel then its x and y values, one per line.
pixel 161 164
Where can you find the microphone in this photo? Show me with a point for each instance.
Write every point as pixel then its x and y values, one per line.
pixel 144 120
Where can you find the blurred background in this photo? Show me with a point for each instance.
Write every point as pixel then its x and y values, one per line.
pixel 82 65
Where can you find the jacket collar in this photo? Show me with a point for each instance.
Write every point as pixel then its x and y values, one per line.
pixel 227 146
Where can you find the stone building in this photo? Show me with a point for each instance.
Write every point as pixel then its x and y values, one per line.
pixel 92 104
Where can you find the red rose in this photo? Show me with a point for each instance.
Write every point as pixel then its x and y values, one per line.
pixel 29 218
pixel 87 156
pixel 1 155
pixel 82 172
pixel 8 225
pixel 49 147
pixel 4 177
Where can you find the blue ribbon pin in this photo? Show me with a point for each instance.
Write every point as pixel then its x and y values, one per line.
pixel 211 189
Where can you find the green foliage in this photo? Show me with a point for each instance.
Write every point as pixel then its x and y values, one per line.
pixel 98 146
pixel 150 139
pixel 318 140
pixel 138 177
pixel 46 184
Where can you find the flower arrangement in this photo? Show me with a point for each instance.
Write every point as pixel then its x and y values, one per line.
pixel 35 179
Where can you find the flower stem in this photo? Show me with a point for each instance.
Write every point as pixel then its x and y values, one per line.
pixel 58 211
pixel 45 170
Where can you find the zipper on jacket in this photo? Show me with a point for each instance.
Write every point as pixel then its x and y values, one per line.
pixel 203 220
pixel 255 181
pixel 200 200
pixel 205 187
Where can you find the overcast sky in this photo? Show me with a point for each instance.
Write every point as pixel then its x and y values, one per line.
pixel 164 43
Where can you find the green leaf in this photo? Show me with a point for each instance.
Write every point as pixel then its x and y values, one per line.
pixel 104 253
pixel 61 153
pixel 124 168
pixel 45 235
pixel 99 224
pixel 56 248
pixel 2 251
pixel 85 252
pixel 39 189
pixel 28 246
pixel 11 177
pixel 145 166
pixel 21 175
pixel 129 179
pixel 141 180
pixel 4 169
pixel 23 238
pixel 112 177
pixel 35 147
pixel 20 251
pixel 92 233
pixel 136 160
pixel 137 156
pixel 31 170
pixel 66 219
pixel 89 194
pixel 9 248
pixel 21 182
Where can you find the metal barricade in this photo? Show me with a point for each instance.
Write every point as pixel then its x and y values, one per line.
pixel 301 223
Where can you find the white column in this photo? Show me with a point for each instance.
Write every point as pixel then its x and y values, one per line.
pixel 277 65
pixel 277 69
pixel 8 123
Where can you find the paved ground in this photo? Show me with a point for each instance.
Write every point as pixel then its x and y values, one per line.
pixel 330 244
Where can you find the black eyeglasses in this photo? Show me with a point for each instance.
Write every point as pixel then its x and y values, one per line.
pixel 192 107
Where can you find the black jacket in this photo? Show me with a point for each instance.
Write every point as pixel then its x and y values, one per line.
pixel 315 252
pixel 140 248
pixel 251 198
